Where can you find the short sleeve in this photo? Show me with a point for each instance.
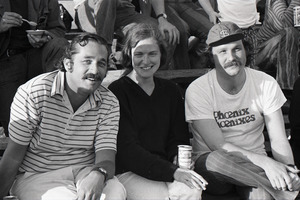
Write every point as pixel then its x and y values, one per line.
pixel 24 116
pixel 273 97
pixel 198 101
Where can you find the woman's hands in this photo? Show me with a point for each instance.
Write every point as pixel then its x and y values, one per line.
pixel 190 178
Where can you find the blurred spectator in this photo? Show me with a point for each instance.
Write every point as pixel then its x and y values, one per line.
pixel 109 17
pixel 191 20
pixel 22 55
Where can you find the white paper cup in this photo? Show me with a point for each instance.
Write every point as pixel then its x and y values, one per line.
pixel 184 156
pixel 297 16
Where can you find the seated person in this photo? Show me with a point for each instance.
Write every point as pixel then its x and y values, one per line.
pixel 274 44
pixel 106 17
pixel 191 20
pixel 24 56
pixel 295 122
pixel 152 124
pixel 227 109
pixel 63 131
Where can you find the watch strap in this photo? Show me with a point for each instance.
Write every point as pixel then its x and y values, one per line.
pixel 161 15
pixel 102 171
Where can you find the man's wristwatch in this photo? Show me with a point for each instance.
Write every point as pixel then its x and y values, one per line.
pixel 164 15
pixel 102 171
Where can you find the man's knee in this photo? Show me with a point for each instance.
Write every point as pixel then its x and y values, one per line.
pixel 213 160
pixel 179 190
pixel 207 167
pixel 114 190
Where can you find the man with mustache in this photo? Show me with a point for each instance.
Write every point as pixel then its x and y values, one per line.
pixel 63 131
pixel 227 109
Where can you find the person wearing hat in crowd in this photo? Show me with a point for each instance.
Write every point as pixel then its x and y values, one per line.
pixel 227 109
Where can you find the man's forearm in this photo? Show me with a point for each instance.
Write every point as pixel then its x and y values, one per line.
pixel 206 6
pixel 8 172
pixel 158 6
pixel 282 152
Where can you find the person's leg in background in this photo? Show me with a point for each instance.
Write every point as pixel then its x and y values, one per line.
pixel 52 53
pixel 180 55
pixel 195 17
pixel 199 25
pixel 282 52
pixel 97 16
pixel 189 19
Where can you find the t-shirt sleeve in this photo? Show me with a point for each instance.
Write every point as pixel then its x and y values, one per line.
pixel 273 96
pixel 198 102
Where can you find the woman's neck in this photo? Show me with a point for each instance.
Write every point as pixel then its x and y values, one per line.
pixel 147 84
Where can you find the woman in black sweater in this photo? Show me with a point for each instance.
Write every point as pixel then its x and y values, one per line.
pixel 152 123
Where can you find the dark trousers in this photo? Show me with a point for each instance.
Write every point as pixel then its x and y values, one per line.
pixel 17 69
pixel 223 171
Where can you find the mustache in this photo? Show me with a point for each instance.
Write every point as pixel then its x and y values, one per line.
pixel 97 77
pixel 233 63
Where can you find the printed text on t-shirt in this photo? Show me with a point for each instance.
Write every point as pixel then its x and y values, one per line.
pixel 233 118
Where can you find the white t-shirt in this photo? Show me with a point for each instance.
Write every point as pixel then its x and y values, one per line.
pixel 77 3
pixel 241 12
pixel 240 116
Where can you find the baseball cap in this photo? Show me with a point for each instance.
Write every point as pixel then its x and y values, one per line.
pixel 223 33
